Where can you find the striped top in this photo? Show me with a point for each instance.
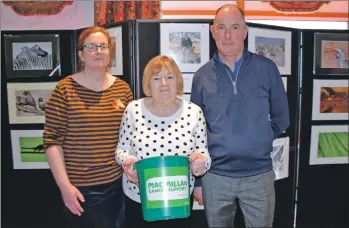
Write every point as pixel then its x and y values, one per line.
pixel 86 124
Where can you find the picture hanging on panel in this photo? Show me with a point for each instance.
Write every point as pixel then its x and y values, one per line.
pixel 272 44
pixel 331 53
pixel 284 80
pixel 28 149
pixel 26 101
pixel 329 145
pixel 330 100
pixel 280 157
pixel 32 55
pixel 116 52
pixel 187 82
pixel 185 97
pixel 187 44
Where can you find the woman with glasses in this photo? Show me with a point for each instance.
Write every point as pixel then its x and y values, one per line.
pixel 83 117
pixel 160 124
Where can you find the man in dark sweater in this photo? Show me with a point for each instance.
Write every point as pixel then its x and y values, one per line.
pixel 245 106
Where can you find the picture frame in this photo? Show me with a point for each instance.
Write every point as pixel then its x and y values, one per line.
pixel 331 54
pixel 329 145
pixel 280 157
pixel 26 101
pixel 183 43
pixel 117 57
pixel 187 82
pixel 272 44
pixel 28 149
pixel 185 96
pixel 330 100
pixel 284 81
pixel 32 55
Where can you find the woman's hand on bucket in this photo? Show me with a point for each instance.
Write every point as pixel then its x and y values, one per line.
pixel 197 163
pixel 130 173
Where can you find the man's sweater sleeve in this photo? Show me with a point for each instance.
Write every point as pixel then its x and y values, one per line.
pixel 279 112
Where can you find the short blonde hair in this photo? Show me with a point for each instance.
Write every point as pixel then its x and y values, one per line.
pixel 156 65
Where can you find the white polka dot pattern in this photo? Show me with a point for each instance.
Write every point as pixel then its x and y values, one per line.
pixel 144 135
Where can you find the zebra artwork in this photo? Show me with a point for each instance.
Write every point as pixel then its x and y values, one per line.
pixel 32 56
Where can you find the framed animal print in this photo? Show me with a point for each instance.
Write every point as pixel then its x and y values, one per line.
pixel 331 54
pixel 330 100
pixel 272 44
pixel 27 101
pixel 32 55
pixel 28 149
pixel 187 44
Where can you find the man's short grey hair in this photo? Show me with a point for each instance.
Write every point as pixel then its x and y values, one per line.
pixel 241 11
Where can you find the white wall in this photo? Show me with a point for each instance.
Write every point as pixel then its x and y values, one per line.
pixel 78 15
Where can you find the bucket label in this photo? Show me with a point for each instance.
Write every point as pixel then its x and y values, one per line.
pixel 167 191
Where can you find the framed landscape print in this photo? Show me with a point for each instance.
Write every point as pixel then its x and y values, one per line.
pixel 329 145
pixel 187 44
pixel 117 61
pixel 331 53
pixel 32 55
pixel 28 149
pixel 26 101
pixel 330 100
pixel 273 44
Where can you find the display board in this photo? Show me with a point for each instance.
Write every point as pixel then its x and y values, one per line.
pixel 323 157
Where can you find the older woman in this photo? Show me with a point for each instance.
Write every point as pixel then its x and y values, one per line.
pixel 160 124
pixel 83 117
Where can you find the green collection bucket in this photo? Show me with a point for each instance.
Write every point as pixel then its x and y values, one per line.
pixel 164 185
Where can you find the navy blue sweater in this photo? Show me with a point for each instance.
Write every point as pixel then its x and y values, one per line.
pixel 243 114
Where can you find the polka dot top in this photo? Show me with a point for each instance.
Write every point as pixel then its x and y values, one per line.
pixel 144 135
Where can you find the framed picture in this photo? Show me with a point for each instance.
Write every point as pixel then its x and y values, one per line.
pixel 329 145
pixel 280 157
pixel 331 53
pixel 272 44
pixel 32 55
pixel 330 100
pixel 185 97
pixel 117 62
pixel 284 81
pixel 27 101
pixel 187 44
pixel 28 149
pixel 187 82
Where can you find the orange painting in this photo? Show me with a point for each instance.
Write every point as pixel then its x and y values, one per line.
pixel 334 100
pixel 334 54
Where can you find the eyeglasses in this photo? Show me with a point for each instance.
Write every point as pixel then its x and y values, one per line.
pixel 94 47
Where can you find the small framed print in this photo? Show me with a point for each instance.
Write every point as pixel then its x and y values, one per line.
pixel 187 44
pixel 331 54
pixel 330 100
pixel 28 149
pixel 329 145
pixel 32 55
pixel 117 61
pixel 27 101
pixel 272 44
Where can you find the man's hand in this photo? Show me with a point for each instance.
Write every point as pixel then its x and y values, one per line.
pixel 198 195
